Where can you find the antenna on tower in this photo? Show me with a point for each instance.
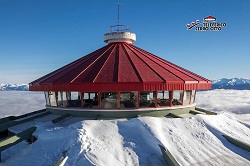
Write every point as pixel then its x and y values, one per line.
pixel 119 27
pixel 118 15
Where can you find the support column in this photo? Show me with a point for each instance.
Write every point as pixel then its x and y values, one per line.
pixel 156 98
pixel 182 96
pixel 99 100
pixel 138 100
pixel 67 99
pixel 118 100
pixel 170 98
pixel 56 98
pixel 190 98
pixel 47 98
pixel 194 96
pixel 82 97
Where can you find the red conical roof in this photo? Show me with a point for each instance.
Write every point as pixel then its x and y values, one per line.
pixel 120 67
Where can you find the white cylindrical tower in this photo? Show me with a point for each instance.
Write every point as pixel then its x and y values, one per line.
pixel 121 34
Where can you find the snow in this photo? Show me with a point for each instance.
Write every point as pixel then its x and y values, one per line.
pixel 192 141
pixel 198 140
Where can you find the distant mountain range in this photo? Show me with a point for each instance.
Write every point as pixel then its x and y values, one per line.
pixel 232 83
pixel 224 83
pixel 14 87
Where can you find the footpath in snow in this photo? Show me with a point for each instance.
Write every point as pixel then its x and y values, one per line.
pixel 192 141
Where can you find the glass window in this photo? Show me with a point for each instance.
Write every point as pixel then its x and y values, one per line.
pixel 90 100
pixel 47 98
pixel 109 100
pixel 163 98
pixel 61 101
pixel 52 98
pixel 193 97
pixel 128 99
pixel 177 97
pixel 187 97
pixel 147 99
pixel 74 99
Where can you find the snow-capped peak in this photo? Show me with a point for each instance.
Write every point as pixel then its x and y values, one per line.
pixel 14 87
pixel 232 83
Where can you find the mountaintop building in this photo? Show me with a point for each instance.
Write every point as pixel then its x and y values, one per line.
pixel 120 80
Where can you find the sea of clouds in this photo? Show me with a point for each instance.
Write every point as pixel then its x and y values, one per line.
pixel 20 102
pixel 235 102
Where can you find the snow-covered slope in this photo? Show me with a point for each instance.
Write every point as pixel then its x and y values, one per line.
pixel 232 83
pixel 14 87
pixel 192 141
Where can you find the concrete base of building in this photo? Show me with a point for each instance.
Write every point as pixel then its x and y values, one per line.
pixel 93 113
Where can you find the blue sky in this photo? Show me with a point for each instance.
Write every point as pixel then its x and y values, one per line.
pixel 39 36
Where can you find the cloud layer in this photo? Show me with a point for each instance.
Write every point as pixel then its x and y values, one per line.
pixel 234 101
pixel 20 102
